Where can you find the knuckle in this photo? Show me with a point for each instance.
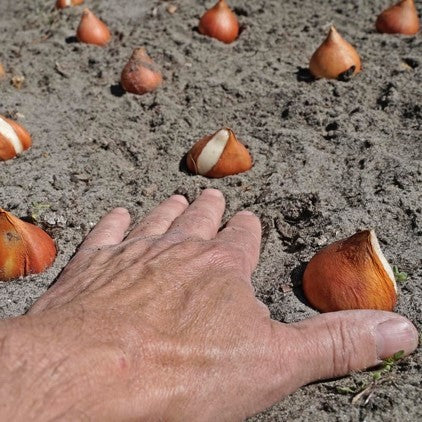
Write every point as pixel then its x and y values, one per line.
pixel 161 217
pixel 343 347
pixel 100 257
pixel 237 253
pixel 245 232
pixel 223 253
pixel 152 222
pixel 201 219
pixel 106 233
pixel 242 238
pixel 238 229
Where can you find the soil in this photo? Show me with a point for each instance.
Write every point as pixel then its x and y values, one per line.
pixel 330 157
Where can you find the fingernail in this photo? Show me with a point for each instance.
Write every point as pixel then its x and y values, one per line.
pixel 179 198
pixel 120 210
pixel 212 192
pixel 394 335
pixel 245 212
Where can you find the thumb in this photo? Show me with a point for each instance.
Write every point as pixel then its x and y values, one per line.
pixel 334 344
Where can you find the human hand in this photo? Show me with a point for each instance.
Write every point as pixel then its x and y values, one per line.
pixel 164 325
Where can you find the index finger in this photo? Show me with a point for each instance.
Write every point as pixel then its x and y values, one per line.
pixel 244 231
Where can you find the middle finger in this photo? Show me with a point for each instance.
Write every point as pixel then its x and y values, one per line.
pixel 202 218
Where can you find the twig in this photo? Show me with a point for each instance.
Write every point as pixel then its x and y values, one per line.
pixel 58 68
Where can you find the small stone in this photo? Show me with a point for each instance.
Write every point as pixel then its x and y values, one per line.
pixel 17 81
pixel 171 8
pixel 150 190
pixel 321 241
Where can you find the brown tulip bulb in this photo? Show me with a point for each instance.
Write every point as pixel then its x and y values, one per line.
pixel 24 248
pixel 402 18
pixel 335 58
pixel 141 74
pixel 350 274
pixel 219 155
pixel 220 22
pixel 2 71
pixel 14 139
pixel 92 30
pixel 61 4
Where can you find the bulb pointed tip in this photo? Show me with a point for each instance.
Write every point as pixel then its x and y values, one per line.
pixel 333 32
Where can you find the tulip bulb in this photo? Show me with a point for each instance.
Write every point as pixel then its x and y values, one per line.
pixel 219 155
pixel 2 71
pixel 402 18
pixel 92 30
pixel 24 248
pixel 141 74
pixel 334 58
pixel 14 139
pixel 61 4
pixel 350 274
pixel 220 22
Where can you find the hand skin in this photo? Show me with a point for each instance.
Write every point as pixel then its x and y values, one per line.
pixel 163 325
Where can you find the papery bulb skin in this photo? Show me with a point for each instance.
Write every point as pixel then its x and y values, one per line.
pixel 61 4
pixel 24 248
pixel 402 18
pixel 140 75
pixel 14 139
pixel 350 274
pixel 220 22
pixel 92 30
pixel 219 155
pixel 335 57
